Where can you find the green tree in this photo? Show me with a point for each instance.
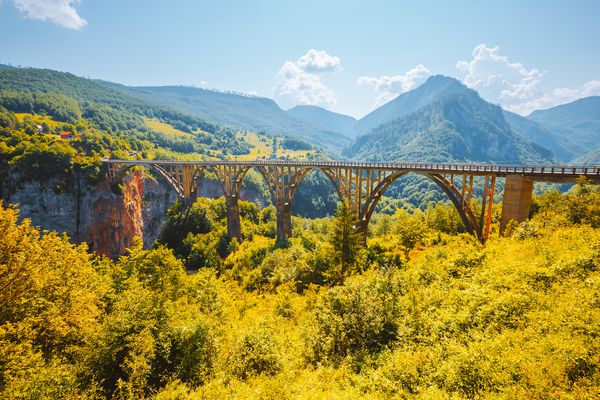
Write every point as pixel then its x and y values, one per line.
pixel 345 241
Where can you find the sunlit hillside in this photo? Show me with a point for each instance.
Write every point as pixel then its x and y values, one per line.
pixel 422 312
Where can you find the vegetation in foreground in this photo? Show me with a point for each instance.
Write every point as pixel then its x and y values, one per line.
pixel 422 312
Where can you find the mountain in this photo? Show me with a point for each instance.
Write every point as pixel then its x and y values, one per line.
pixel 434 89
pixel 329 120
pixel 561 146
pixel 236 110
pixel 578 122
pixel 213 108
pixel 456 125
pixel 590 158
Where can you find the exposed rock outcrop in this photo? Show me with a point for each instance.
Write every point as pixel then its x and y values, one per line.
pixel 107 221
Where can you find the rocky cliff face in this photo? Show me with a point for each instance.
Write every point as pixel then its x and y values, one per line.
pixel 108 222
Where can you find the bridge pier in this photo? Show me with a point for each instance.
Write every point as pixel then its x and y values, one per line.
pixel 234 226
pixel 518 190
pixel 284 221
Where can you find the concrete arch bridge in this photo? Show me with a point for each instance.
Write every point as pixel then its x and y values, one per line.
pixel 362 184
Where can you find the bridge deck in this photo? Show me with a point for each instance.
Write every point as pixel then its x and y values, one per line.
pixel 556 173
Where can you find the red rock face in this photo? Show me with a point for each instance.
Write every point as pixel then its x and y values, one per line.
pixel 115 220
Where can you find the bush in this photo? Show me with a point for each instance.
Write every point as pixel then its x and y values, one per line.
pixel 357 319
pixel 255 353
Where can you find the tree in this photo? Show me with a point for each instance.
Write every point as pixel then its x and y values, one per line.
pixel 345 241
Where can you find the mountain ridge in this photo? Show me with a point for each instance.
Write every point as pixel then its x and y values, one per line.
pixel 460 127
pixel 578 121
pixel 333 121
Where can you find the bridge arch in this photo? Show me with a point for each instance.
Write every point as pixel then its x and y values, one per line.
pixel 282 181
pixel 456 197
pixel 185 179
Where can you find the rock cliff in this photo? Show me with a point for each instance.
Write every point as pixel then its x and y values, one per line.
pixel 107 221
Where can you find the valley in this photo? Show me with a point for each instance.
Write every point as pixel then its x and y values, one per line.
pixel 255 252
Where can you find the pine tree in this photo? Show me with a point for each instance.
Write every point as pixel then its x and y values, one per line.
pixel 345 241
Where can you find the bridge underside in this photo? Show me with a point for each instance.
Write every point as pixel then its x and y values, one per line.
pixel 362 185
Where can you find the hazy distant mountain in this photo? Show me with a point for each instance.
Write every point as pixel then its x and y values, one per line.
pixel 329 120
pixel 591 158
pixel 562 147
pixel 4 66
pixel 237 110
pixel 453 124
pixel 578 122
pixel 436 88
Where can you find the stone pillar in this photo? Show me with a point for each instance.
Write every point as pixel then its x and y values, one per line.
pixel 284 221
pixel 234 227
pixel 517 199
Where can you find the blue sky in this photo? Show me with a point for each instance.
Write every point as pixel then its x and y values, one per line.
pixel 347 56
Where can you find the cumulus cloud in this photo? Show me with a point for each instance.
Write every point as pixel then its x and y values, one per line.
pixel 389 87
pixel 556 97
pixel 301 82
pixel 59 12
pixel 498 79
pixel 318 61
pixel 514 86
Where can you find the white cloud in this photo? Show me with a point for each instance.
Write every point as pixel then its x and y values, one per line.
pixel 59 12
pixel 514 86
pixel 556 97
pixel 389 87
pixel 318 61
pixel 499 80
pixel 301 82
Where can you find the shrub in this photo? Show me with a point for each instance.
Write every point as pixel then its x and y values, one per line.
pixel 357 319
pixel 255 353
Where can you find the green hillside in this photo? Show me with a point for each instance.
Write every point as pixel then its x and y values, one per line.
pixel 436 88
pixel 461 127
pixel 562 147
pixel 235 110
pixel 591 158
pixel 420 313
pixel 577 122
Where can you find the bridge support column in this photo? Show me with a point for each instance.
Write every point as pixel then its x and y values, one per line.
pixel 518 190
pixel 284 221
pixel 234 226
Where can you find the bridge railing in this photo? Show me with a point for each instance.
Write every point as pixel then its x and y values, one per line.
pixel 501 169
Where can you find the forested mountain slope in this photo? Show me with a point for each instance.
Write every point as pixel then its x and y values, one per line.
pixel 238 111
pixel 578 122
pixel 561 146
pixel 460 127
pixel 436 88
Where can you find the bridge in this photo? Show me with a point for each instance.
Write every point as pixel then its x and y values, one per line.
pixel 362 184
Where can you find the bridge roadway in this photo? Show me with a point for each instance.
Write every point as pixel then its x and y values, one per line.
pixel 362 184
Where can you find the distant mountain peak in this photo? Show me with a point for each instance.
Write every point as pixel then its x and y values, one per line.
pixel 433 90
pixel 439 79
